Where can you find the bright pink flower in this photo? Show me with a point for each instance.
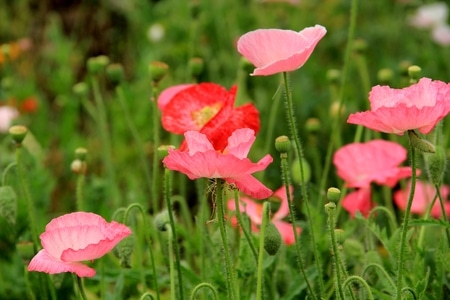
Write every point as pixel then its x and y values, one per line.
pixel 358 200
pixel 254 211
pixel 277 50
pixel 423 196
pixel 73 238
pixel 7 115
pixel 167 95
pixel 209 109
pixel 377 161
pixel 419 106
pixel 232 165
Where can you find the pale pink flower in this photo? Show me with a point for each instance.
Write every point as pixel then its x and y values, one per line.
pixel 360 164
pixel 166 95
pixel 420 106
pixel 430 15
pixel 278 50
pixel 358 200
pixel 232 165
pixel 441 34
pixel 423 196
pixel 73 238
pixel 254 211
pixel 7 115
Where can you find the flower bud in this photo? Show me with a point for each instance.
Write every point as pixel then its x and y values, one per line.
pixel 312 125
pixel 333 194
pixel 435 165
pixel 18 133
pixel 96 64
pixel 296 174
pixel 334 76
pixel 339 234
pixel 81 153
pixel 420 144
pixel 196 66
pixel 8 205
pixel 282 144
pixel 80 89
pixel 414 73
pixel 163 151
pixel 157 70
pixel 162 220
pixel 385 75
pixel 124 250
pixel 330 207
pixel 272 239
pixel 115 73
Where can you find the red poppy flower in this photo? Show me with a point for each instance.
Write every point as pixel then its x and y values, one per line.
pixel 208 108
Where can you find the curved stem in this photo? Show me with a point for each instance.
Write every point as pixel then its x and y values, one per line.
pixel 265 219
pixel 147 295
pixel 286 180
pixel 223 232
pixel 380 268
pixel 204 285
pixel 362 282
pixel 404 230
pixel 5 172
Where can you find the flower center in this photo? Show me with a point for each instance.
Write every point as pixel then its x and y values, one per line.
pixel 203 115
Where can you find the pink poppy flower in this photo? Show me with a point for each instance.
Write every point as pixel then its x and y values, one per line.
pixel 441 34
pixel 232 165
pixel 420 106
pixel 430 15
pixel 73 238
pixel 277 50
pixel 209 109
pixel 7 115
pixel 167 95
pixel 254 212
pixel 358 200
pixel 377 161
pixel 423 196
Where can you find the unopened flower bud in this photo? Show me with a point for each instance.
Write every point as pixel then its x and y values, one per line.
pixel 124 250
pixel 115 73
pixel 157 70
pixel 436 165
pixel 414 73
pixel 272 239
pixel 80 89
pixel 78 166
pixel 330 206
pixel 385 75
pixel 296 174
pixel 163 151
pixel 196 65
pixel 420 144
pixel 18 133
pixel 81 153
pixel 334 76
pixel 333 194
pixel 339 234
pixel 162 220
pixel 312 125
pixel 8 205
pixel 96 64
pixel 282 144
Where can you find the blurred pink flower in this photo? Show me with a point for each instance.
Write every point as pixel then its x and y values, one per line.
pixel 441 34
pixel 232 165
pixel 254 212
pixel 420 106
pixel 7 115
pixel 358 200
pixel 377 161
pixel 430 15
pixel 423 196
pixel 73 238
pixel 277 50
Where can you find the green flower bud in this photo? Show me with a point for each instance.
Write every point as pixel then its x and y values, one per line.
pixel 296 174
pixel 419 143
pixel 333 194
pixel 157 70
pixel 80 89
pixel 8 205
pixel 414 73
pixel 330 207
pixel 81 153
pixel 435 165
pixel 272 239
pixel 282 144
pixel 162 220
pixel 124 250
pixel 115 73
pixel 385 75
pixel 96 64
pixel 339 234
pixel 18 133
pixel 334 76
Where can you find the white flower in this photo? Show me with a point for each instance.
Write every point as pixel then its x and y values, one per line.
pixel 430 15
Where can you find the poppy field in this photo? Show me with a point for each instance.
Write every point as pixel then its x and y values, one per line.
pixel 227 149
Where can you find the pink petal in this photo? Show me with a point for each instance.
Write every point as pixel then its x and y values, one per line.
pixel 252 209
pixel 44 262
pixel 240 142
pixel 251 186
pixel 166 95
pixel 7 115
pixel 286 231
pixel 359 200
pixel 283 210
pixel 277 50
pixel 441 34
pixel 197 142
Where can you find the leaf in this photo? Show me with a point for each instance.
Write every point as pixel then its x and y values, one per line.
pixel 429 222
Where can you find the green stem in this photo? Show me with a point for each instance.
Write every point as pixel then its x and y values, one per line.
pixel 265 219
pixel 362 282
pixel 171 243
pixel 79 191
pixel 167 196
pixel 287 183
pixel 6 171
pixel 80 286
pixel 231 295
pixel 156 141
pixel 147 237
pixel 106 142
pixel 382 270
pixel 426 217
pixel 298 148
pixel 331 208
pixel 404 230
pixel 204 285
pixel 242 225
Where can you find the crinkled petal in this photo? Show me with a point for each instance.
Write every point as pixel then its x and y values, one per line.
pixel 359 200
pixel 286 231
pixel 240 142
pixel 277 50
pixel 44 262
pixel 197 142
pixel 166 95
pixel 250 186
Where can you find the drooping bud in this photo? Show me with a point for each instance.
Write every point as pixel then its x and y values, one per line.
pixel 282 144
pixel 333 194
pixel 272 239
pixel 18 133
pixel 436 165
pixel 419 143
pixel 124 250
pixel 162 220
pixel 330 207
pixel 360 46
